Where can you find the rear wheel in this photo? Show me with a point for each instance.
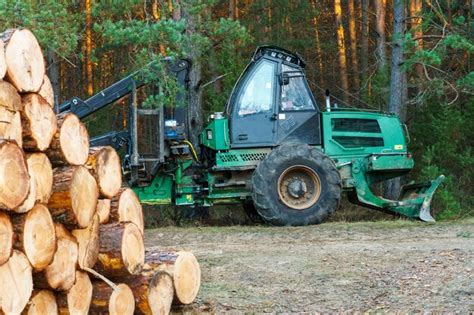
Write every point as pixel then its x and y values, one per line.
pixel 296 185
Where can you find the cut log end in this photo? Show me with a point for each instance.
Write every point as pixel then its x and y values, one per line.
pixel 40 166
pixel 103 210
pixel 46 91
pixel 121 301
pixel 42 302
pixel 78 298
pixel 10 126
pixel 39 123
pixel 133 249
pixel 186 277
pixel 17 270
pixel 88 240
pixel 9 97
pixel 105 164
pixel 72 145
pixel 126 207
pixel 25 73
pixel 84 195
pixel 3 61
pixel 13 169
pixel 39 237
pixel 160 293
pixel 6 238
pixel 61 273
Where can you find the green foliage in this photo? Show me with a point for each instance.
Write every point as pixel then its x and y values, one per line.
pixel 50 20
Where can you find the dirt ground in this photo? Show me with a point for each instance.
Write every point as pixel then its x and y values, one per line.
pixel 334 267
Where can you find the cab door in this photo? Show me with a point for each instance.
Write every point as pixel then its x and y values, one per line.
pixel 253 122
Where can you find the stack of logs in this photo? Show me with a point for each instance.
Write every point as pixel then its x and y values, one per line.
pixel 71 238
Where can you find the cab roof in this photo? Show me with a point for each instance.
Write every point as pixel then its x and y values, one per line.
pixel 280 53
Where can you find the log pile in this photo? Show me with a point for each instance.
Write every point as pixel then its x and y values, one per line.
pixel 71 237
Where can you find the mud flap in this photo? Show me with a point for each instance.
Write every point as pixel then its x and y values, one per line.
pixel 422 192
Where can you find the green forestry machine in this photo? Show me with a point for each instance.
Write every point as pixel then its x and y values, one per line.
pixel 272 150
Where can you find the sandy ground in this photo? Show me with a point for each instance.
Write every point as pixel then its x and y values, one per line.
pixel 372 266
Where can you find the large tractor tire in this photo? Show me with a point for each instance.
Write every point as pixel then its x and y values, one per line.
pixel 296 185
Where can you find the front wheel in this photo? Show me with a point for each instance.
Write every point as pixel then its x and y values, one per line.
pixel 296 185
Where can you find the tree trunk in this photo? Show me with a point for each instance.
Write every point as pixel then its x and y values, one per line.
pixel 153 292
pixel 70 145
pixel 9 97
pixel 42 302
pixel 317 42
pixel 10 126
pixel 17 270
pixel 353 36
pixel 6 237
pixel 342 50
pixel 121 250
pixel 107 300
pixel 74 198
pixel 88 48
pixel 46 91
pixel 392 187
pixel 3 61
pixel 53 74
pixel 40 166
pixel 364 49
pixel 35 236
pixel 416 20
pixel 380 52
pixel 88 241
pixel 77 300
pixel 104 163
pixel 103 210
pixel 13 169
pixel 25 73
pixel 61 272
pixel 183 267
pixel 125 207
pixel 38 123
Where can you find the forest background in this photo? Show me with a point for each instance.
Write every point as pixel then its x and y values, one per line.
pixel 411 57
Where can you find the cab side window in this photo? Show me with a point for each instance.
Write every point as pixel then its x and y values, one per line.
pixel 295 94
pixel 258 91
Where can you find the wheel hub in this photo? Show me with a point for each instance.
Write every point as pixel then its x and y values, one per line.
pixel 299 187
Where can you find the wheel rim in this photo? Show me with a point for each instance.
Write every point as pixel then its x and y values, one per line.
pixel 299 187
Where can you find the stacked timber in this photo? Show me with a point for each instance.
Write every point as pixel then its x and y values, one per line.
pixel 71 237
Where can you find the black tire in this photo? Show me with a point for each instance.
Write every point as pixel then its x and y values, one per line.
pixel 267 186
pixel 252 213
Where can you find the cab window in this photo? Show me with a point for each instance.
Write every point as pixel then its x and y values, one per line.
pixel 258 91
pixel 295 95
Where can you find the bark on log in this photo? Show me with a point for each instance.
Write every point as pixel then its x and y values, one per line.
pixel 25 73
pixel 183 267
pixel 70 144
pixel 121 250
pixel 125 207
pixel 106 300
pixel 40 166
pixel 38 122
pixel 74 198
pixel 17 270
pixel 35 236
pixel 42 302
pixel 3 61
pixel 13 169
pixel 88 241
pixel 104 163
pixel 6 237
pixel 153 292
pixel 46 91
pixel 9 97
pixel 103 210
pixel 61 273
pixel 77 300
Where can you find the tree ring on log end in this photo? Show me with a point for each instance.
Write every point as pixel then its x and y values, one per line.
pixel 43 302
pixel 133 249
pixel 39 237
pixel 186 277
pixel 130 209
pixel 84 195
pixel 122 301
pixel 160 293
pixel 6 237
pixel 74 140
pixel 12 170
pixel 80 295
